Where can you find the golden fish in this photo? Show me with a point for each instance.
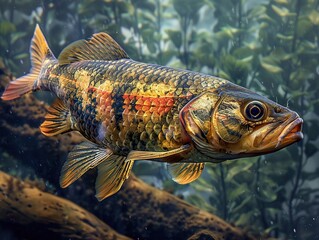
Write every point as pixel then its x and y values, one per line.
pixel 131 111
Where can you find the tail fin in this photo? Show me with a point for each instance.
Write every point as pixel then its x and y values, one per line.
pixel 39 51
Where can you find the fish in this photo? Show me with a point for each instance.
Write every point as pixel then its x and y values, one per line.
pixel 130 111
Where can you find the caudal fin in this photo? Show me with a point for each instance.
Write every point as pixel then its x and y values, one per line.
pixel 39 51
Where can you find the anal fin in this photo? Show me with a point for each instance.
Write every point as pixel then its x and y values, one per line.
pixel 111 176
pixel 83 157
pixel 57 120
pixel 184 173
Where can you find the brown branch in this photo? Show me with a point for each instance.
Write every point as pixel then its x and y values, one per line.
pixel 24 204
pixel 156 213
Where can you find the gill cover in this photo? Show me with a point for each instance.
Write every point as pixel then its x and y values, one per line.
pixel 196 118
pixel 228 121
pixel 196 115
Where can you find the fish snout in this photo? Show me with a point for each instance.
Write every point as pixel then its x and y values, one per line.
pixel 292 132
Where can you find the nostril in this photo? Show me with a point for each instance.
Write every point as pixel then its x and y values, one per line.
pixel 277 109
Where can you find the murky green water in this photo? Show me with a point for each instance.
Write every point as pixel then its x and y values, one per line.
pixel 270 47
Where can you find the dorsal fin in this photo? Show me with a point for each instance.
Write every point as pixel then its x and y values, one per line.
pixel 100 46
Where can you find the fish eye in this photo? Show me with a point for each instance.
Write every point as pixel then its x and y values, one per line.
pixel 254 111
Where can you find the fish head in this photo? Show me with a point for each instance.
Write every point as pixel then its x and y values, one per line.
pixel 235 122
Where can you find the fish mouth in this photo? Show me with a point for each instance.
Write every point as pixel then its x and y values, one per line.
pixel 274 136
pixel 291 133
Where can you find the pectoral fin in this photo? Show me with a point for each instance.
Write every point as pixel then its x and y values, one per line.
pixel 111 176
pixel 167 156
pixel 184 173
pixel 82 158
pixel 57 120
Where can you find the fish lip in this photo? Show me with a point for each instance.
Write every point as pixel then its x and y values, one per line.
pixel 291 133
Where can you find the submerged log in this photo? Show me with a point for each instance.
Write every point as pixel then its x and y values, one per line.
pixel 138 210
pixel 150 213
pixel 23 204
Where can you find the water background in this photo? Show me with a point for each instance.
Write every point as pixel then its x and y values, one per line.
pixel 270 47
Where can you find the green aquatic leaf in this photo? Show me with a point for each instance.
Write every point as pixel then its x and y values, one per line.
pixel 308 47
pixel 266 20
pixel 257 11
pixel 16 36
pixel 238 191
pixel 188 8
pixel 202 187
pixel 296 94
pixel 200 202
pixel 281 1
pixel 227 32
pixel 273 210
pixel 223 74
pixel 242 204
pixel 7 27
pixel 267 191
pixel 236 69
pixel 244 218
pixel 253 46
pixel 314 17
pixel 244 54
pixel 144 5
pixel 268 230
pixel 4 44
pixel 176 37
pixel 202 184
pixel 283 37
pixel 282 11
pixel 299 76
pixel 247 59
pixel 21 56
pixel 167 56
pixel 211 170
pixel 304 27
pixel 277 169
pixel 148 38
pixel 279 55
pixel 270 67
pixel 240 167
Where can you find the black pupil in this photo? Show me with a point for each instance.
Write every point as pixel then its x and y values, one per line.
pixel 254 111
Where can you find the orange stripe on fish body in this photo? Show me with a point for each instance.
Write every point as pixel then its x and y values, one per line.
pixel 160 105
